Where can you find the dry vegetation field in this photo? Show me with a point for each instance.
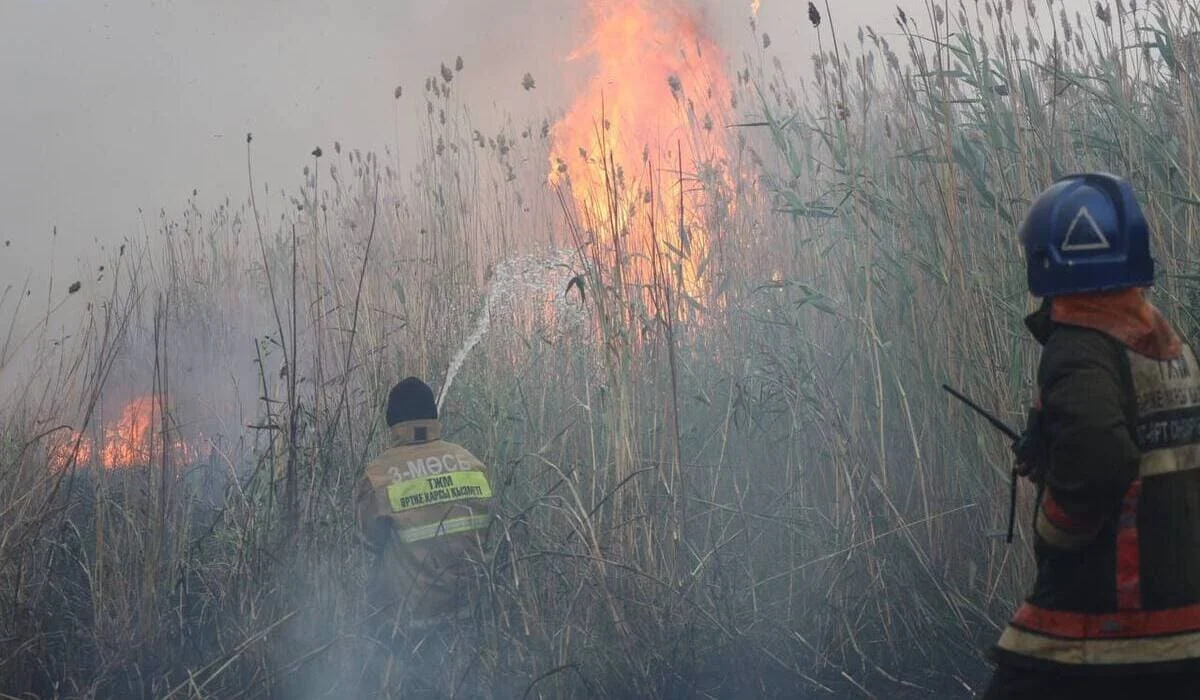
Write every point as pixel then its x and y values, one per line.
pixel 723 460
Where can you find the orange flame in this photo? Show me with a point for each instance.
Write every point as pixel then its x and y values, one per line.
pixel 658 100
pixel 135 440
pixel 755 6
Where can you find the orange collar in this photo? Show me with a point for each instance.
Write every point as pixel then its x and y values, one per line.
pixel 1125 315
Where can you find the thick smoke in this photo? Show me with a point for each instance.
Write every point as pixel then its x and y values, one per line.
pixel 133 106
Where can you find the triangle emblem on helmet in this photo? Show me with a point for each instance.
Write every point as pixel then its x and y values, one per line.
pixel 1084 234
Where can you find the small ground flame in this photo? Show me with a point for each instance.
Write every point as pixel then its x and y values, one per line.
pixel 134 440
pixel 662 88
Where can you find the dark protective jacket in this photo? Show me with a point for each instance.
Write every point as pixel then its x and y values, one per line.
pixel 1118 522
pixel 424 505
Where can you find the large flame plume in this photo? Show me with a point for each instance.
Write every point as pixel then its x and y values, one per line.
pixel 134 440
pixel 655 107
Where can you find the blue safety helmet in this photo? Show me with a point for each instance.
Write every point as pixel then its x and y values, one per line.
pixel 1086 233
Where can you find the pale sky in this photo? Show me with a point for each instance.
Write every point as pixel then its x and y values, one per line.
pixel 108 107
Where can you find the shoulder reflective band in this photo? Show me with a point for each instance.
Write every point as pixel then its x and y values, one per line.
pixel 449 526
pixel 435 490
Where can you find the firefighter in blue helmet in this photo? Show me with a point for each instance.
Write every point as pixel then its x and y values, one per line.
pixel 1113 445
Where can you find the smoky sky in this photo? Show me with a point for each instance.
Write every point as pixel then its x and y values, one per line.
pixel 114 111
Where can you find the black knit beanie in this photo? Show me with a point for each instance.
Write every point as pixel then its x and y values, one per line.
pixel 411 399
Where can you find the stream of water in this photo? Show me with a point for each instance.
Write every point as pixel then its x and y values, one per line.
pixel 520 280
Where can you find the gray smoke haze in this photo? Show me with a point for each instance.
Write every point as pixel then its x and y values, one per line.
pixel 113 112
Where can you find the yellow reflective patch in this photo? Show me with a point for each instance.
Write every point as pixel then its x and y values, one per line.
pixel 453 526
pixel 435 490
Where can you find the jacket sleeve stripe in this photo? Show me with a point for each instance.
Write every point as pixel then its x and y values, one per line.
pixel 1062 530
pixel 1057 537
pixel 1086 525
pixel 449 526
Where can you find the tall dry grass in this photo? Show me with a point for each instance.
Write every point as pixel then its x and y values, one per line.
pixel 758 491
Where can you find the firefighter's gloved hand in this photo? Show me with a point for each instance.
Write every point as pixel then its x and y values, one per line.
pixel 1032 455
pixel 1028 465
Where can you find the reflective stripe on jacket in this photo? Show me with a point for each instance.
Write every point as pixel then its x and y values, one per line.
pixel 424 505
pixel 1118 525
